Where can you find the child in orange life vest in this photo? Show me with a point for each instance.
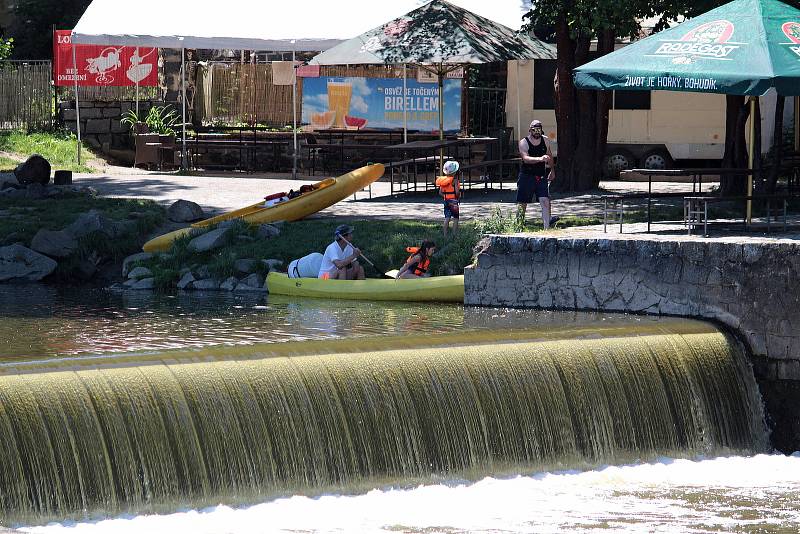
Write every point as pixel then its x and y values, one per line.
pixel 450 191
pixel 416 266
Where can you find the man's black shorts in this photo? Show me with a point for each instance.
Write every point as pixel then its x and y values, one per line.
pixel 529 186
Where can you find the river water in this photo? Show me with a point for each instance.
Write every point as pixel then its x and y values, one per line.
pixel 750 493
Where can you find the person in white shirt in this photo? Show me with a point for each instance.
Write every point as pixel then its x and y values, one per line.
pixel 339 261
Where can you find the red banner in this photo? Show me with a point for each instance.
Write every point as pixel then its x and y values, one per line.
pixel 103 65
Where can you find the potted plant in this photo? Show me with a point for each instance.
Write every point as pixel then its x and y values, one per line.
pixel 159 119
pixel 159 123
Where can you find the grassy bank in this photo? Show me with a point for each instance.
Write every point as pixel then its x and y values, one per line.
pixel 383 242
pixel 57 147
pixel 20 219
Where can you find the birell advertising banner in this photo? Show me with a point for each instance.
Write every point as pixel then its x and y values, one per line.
pixel 103 65
pixel 377 103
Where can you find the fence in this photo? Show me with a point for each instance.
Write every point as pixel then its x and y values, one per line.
pixel 26 95
pixel 109 94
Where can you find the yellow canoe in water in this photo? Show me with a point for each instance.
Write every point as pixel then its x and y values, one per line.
pixel 325 194
pixel 433 289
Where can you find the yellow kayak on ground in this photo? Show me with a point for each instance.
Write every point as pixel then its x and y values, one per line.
pixel 433 289
pixel 325 194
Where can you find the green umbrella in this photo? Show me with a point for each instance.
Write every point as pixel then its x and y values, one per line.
pixel 440 37
pixel 744 47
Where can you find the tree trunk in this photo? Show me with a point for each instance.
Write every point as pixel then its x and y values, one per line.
pixel 777 145
pixel 564 103
pixel 736 112
pixel 605 45
pixel 757 176
pixel 584 168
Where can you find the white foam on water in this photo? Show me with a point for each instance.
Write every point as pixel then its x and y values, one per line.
pixel 729 493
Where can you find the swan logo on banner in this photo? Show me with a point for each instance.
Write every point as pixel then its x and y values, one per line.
pixel 102 65
pixel 709 41
pixel 792 31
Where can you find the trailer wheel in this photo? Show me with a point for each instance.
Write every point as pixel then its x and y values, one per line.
pixel 657 160
pixel 617 160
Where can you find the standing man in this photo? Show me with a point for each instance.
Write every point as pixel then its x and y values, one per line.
pixel 339 261
pixel 535 174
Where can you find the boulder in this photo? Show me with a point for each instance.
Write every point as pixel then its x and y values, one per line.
pixel 245 266
pixel 7 179
pixel 186 280
pixel 13 193
pixel 144 283
pixel 139 273
pixel 128 262
pixel 11 238
pixel 254 280
pixel 94 221
pixel 242 287
pixel 85 269
pixel 184 211
pixel 229 284
pixel 34 170
pixel 209 241
pixel 202 272
pixel 207 284
pixel 56 244
pixel 35 191
pixel 272 264
pixel 21 264
pixel 268 231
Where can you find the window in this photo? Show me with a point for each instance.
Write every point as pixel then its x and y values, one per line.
pixel 544 72
pixel 631 100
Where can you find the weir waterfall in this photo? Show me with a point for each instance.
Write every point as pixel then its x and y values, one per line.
pixel 149 433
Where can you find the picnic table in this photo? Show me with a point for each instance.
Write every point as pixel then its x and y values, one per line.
pixel 248 141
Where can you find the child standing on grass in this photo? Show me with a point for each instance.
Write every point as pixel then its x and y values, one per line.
pixel 450 191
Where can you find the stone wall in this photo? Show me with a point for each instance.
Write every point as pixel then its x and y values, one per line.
pixel 100 123
pixel 750 286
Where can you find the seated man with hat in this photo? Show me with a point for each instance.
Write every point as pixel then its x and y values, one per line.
pixel 339 261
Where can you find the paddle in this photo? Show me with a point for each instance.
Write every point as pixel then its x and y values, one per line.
pixel 362 255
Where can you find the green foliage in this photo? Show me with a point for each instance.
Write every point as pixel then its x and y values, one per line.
pixel 57 147
pixel 159 119
pixel 500 222
pixel 6 48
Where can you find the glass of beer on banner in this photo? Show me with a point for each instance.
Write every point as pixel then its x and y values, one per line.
pixel 339 93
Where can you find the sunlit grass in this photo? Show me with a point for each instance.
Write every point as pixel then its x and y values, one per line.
pixel 59 148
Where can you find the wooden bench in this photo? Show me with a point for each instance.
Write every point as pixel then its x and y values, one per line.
pixel 695 215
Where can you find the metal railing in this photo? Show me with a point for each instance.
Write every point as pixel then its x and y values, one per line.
pixel 487 109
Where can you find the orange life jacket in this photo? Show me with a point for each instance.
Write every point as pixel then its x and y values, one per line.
pixel 420 267
pixel 447 186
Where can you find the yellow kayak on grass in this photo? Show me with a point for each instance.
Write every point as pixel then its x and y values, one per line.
pixel 325 194
pixel 433 289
